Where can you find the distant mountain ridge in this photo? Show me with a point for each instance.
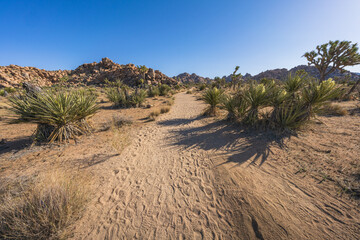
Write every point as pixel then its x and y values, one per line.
pixel 282 73
pixel 191 78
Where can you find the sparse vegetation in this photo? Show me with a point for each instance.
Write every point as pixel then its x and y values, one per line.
pixel 289 106
pixel 44 209
pixel 122 98
pixel 333 110
pixel 153 115
pixel 213 97
pixel 60 115
pixel 153 91
pixel 164 89
pixel 164 110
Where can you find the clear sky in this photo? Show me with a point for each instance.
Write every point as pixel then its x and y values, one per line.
pixel 207 37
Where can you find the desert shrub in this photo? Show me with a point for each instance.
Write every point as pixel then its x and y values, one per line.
pixel 121 97
pixel 213 97
pixel 290 105
pixel 164 110
pixel 288 116
pixel 188 92
pixel 164 89
pixel 256 96
pixel 316 94
pixel 44 209
pixel 170 102
pixel 294 83
pixel 153 115
pixel 8 90
pixel 202 87
pixel 177 87
pixel 236 106
pixel 333 110
pixel 154 91
pixel 60 115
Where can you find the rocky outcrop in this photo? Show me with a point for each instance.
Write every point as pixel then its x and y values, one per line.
pixel 191 78
pixel 88 74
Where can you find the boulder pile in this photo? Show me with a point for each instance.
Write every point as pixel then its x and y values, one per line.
pixel 88 74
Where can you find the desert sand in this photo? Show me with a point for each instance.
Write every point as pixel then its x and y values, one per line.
pixel 189 177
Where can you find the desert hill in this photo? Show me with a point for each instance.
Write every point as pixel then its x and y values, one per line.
pixel 191 78
pixel 88 74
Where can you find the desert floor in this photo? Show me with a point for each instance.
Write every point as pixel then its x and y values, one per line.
pixel 185 176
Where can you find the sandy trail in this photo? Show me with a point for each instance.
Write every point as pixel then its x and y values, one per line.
pixel 175 181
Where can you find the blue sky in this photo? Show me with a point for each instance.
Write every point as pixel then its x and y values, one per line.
pixel 203 36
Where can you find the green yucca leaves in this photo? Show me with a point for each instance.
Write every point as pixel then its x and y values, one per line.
pixel 213 97
pixel 294 83
pixel 121 97
pixel 60 115
pixel 291 105
pixel 236 106
pixel 288 116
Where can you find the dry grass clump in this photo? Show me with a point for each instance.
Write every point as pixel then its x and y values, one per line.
pixel 153 115
pixel 188 92
pixel 164 110
pixel 45 209
pixel 333 110
pixel 170 102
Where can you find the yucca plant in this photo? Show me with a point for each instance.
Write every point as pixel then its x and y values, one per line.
pixel 138 97
pixel 122 98
pixel 294 83
pixel 118 96
pixel 213 97
pixel 315 95
pixel 60 115
pixel 236 106
pixel 256 96
pixel 288 116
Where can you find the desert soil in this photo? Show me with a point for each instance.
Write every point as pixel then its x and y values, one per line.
pixel 188 177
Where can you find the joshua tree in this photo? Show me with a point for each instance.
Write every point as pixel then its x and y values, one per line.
pixel 333 55
pixel 143 70
pixel 236 78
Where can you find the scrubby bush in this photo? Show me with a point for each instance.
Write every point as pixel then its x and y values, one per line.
pixel 333 110
pixel 45 209
pixel 213 97
pixel 122 98
pixel 153 91
pixel 202 87
pixel 164 89
pixel 60 115
pixel 164 110
pixel 153 115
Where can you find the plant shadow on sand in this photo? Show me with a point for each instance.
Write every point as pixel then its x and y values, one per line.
pixel 15 145
pixel 238 144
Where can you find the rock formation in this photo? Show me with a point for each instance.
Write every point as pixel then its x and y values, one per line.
pixel 191 78
pixel 88 74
